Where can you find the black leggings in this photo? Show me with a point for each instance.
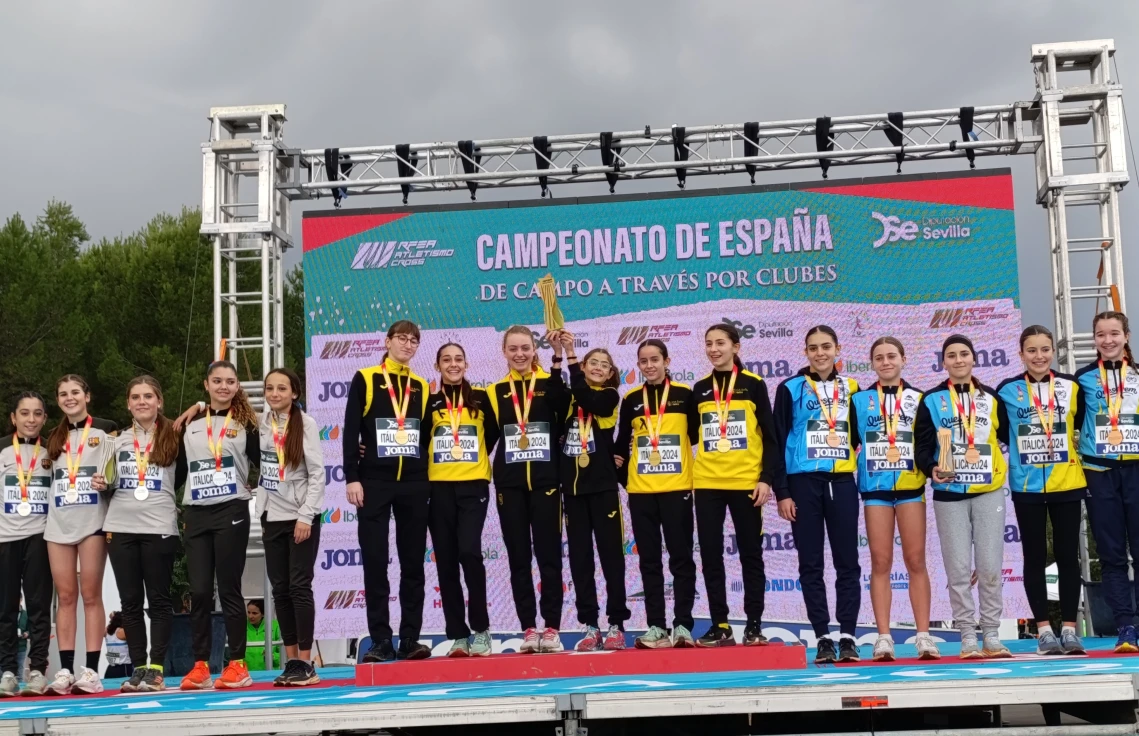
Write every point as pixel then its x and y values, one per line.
pixel 216 540
pixel 290 569
pixel 1033 520
pixel 144 562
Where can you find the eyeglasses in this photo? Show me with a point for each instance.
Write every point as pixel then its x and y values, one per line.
pixel 602 364
pixel 407 340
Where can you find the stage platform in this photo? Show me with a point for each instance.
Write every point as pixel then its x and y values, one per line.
pixel 1100 688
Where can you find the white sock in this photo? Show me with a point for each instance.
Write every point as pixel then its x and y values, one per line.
pixel 1042 630
pixel 923 633
pixel 846 636
pixel 1068 629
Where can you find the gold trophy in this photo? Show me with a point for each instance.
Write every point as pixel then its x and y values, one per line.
pixel 945 453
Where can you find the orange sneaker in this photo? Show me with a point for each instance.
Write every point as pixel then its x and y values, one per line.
pixel 236 676
pixel 198 678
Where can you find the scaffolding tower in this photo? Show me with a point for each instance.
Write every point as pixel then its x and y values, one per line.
pixel 1072 126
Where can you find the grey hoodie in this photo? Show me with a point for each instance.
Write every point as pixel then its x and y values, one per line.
pixel 300 495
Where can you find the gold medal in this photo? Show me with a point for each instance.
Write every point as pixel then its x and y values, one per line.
pixel 893 455
pixel 832 438
pixel 723 444
pixel 972 456
pixel 401 436
pixel 523 442
pixel 1115 437
pixel 654 457
pixel 456 452
pixel 583 461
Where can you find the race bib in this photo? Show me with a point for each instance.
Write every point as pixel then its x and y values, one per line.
pixel 206 482
pixel 88 496
pixel 270 471
pixel 386 436
pixel 877 447
pixel 443 440
pixel 537 443
pixel 128 473
pixel 1128 424
pixel 572 447
pixel 1033 447
pixel 979 473
pixel 671 459
pixel 737 429
pixel 38 488
pixel 818 448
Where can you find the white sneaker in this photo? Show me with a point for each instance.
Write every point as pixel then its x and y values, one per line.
pixel 88 683
pixel 531 642
pixel 884 648
pixel 551 641
pixel 927 647
pixel 9 685
pixel 62 683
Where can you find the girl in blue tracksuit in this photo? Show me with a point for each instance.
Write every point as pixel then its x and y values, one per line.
pixel 968 503
pixel 1046 480
pixel 812 424
pixel 893 488
pixel 1109 448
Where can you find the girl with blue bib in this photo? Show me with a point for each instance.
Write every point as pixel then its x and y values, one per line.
pixel 1046 480
pixel 812 424
pixel 893 488
pixel 1109 448
pixel 968 502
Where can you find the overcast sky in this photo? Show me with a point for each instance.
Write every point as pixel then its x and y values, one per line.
pixel 105 101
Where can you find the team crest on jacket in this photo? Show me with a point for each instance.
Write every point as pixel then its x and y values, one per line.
pixel 45 464
pixel 93 442
pixel 231 433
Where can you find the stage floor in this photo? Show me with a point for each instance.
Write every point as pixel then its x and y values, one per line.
pixel 338 704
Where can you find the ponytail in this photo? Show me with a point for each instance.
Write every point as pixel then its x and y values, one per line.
pixel 165 451
pixel 295 427
pixel 1122 319
pixel 535 364
pixel 826 330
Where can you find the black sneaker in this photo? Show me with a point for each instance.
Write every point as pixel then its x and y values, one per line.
pixel 132 685
pixel 847 650
pixel 153 682
pixel 298 673
pixel 824 651
pixel 412 649
pixel 753 635
pixel 381 651
pixel 719 635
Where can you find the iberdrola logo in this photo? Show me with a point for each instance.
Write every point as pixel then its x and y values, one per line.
pixel 330 516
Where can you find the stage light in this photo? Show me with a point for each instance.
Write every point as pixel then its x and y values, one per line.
pixel 336 173
pixel 542 161
pixel 608 149
pixel 751 146
pixel 471 159
pixel 894 134
pixel 406 163
pixel 679 153
pixel 824 141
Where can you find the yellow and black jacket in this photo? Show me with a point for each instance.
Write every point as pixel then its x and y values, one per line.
pixel 478 434
pixel 634 445
pixel 1040 472
pixel 369 419
pixel 534 467
pixel 600 402
pixel 755 455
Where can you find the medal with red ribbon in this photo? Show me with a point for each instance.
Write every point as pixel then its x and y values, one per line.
pixel 216 448
pixel 522 415
pixel 23 480
pixel 830 413
pixel 654 433
pixel 1047 420
pixel 890 422
pixel 454 417
pixel 72 494
pixel 279 438
pixel 142 460
pixel 968 421
pixel 1114 402
pixel 400 409
pixel 724 444
pixel 584 429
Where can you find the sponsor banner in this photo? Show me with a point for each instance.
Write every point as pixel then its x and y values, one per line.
pixel 903 286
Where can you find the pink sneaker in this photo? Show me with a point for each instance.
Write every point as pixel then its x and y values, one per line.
pixel 591 642
pixel 551 641
pixel 531 643
pixel 614 639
